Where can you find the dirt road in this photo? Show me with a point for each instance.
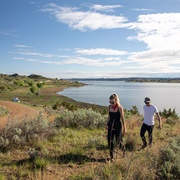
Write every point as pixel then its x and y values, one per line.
pixel 16 112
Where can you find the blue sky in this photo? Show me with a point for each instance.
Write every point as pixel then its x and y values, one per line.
pixel 90 39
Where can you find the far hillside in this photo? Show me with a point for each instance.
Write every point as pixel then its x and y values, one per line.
pixel 35 89
pixel 134 79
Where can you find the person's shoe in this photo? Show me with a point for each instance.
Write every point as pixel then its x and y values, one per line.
pixel 144 146
pixel 150 145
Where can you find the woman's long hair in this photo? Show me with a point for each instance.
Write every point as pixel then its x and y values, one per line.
pixel 116 98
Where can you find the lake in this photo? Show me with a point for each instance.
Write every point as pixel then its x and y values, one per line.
pixel 163 95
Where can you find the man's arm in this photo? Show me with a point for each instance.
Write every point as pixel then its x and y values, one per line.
pixel 160 122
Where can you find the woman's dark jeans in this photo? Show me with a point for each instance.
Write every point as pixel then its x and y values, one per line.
pixel 117 132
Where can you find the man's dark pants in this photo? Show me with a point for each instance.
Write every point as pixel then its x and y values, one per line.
pixel 145 128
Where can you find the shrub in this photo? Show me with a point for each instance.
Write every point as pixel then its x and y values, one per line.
pixel 49 110
pixel 33 89
pixel 86 118
pixel 40 163
pixel 108 172
pixel 25 132
pixel 170 121
pixel 169 113
pixel 39 85
pixel 3 111
pixel 130 142
pixel 134 110
pixel 69 106
pixel 3 88
pixel 65 104
pixel 129 113
pixel 169 162
pixel 94 142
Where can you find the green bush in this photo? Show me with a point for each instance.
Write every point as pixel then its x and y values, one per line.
pixel 65 104
pixel 40 163
pixel 86 118
pixel 134 110
pixel 129 113
pixel 33 89
pixel 169 113
pixel 169 161
pixel 69 106
pixel 39 85
pixel 171 121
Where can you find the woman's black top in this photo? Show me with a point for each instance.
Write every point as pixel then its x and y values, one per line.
pixel 114 119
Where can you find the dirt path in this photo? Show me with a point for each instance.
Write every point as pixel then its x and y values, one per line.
pixel 16 112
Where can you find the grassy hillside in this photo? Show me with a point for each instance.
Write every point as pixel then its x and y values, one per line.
pixel 74 147
pixel 66 141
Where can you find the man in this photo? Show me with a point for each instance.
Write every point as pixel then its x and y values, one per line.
pixel 148 123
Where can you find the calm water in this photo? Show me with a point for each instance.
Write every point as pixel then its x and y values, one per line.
pixel 163 95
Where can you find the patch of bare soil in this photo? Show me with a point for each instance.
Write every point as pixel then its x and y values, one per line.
pixel 16 112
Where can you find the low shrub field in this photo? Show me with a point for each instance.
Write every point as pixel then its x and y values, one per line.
pixel 74 147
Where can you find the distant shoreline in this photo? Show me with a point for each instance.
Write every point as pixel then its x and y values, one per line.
pixel 135 79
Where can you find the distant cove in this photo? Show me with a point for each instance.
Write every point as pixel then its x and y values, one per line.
pixel 163 95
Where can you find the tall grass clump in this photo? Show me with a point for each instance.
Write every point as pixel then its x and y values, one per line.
pixel 86 118
pixel 169 161
pixel 3 111
pixel 25 132
pixel 108 171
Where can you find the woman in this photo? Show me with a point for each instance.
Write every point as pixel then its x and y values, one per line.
pixel 115 124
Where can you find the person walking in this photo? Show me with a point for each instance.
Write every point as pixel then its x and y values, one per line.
pixel 115 124
pixel 148 122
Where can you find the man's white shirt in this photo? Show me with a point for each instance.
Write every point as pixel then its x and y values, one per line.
pixel 149 112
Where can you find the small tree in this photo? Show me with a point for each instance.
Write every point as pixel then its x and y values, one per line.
pixel 40 85
pixel 134 110
pixel 33 89
pixel 30 83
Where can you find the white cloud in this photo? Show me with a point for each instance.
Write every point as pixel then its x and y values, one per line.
pixel 101 51
pixel 157 61
pixel 85 20
pixel 106 8
pixel 35 54
pixel 161 34
pixel 21 46
pixel 76 60
pixel 151 56
pixel 142 9
pixel 158 31
pixel 26 59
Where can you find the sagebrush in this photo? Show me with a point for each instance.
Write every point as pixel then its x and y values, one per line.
pixel 86 118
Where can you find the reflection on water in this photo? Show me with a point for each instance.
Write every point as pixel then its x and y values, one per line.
pixel 163 95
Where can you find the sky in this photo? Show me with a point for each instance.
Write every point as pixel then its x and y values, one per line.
pixel 90 39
